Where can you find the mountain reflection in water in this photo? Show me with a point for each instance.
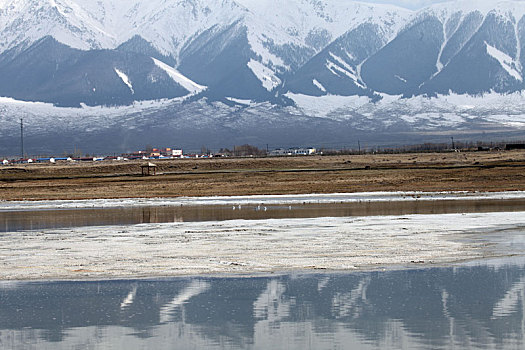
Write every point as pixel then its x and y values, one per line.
pixel 480 306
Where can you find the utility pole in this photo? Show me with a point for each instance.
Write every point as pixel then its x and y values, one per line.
pixel 453 146
pixel 22 137
pixel 359 146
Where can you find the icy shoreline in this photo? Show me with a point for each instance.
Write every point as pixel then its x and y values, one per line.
pixel 252 246
pixel 260 199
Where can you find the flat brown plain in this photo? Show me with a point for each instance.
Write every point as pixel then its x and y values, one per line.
pixel 466 171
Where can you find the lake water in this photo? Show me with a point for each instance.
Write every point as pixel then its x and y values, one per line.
pixel 475 306
pixel 480 305
pixel 13 220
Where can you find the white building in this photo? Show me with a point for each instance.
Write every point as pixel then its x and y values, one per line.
pixel 296 151
pixel 176 153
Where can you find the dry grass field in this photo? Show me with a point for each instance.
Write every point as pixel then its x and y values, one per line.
pixel 467 171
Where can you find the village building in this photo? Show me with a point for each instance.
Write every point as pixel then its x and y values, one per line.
pixel 294 151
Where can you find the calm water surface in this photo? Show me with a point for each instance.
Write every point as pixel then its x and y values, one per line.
pixel 475 306
pixel 479 306
pixel 41 219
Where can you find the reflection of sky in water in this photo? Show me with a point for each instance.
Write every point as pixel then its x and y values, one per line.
pixel 476 306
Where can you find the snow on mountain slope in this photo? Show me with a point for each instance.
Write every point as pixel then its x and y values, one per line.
pixel 267 77
pixel 287 33
pixel 462 19
pixel 514 8
pixel 267 71
pixel 418 113
pixel 301 19
pixel 169 25
pixel 319 85
pixel 186 83
pixel 53 130
pixel 88 24
pixel 125 80
pixel 266 48
pixel 282 33
pixel 338 65
pixel 24 21
pixel 505 61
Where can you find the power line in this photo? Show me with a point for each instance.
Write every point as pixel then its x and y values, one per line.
pixel 22 137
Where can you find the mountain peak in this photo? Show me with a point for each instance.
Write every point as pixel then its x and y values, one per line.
pixel 516 7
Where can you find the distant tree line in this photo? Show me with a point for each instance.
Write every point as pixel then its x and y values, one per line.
pixel 243 151
pixel 423 148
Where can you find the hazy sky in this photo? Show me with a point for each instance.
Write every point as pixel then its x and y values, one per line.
pixel 417 4
pixel 411 4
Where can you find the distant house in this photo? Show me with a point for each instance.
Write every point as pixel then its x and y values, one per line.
pixel 177 153
pixel 304 151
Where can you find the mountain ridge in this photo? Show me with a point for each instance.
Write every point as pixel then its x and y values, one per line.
pixel 245 59
pixel 297 46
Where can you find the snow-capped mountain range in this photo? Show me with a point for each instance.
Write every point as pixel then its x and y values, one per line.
pixel 256 56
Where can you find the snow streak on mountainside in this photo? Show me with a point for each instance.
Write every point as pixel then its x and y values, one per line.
pixel 189 85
